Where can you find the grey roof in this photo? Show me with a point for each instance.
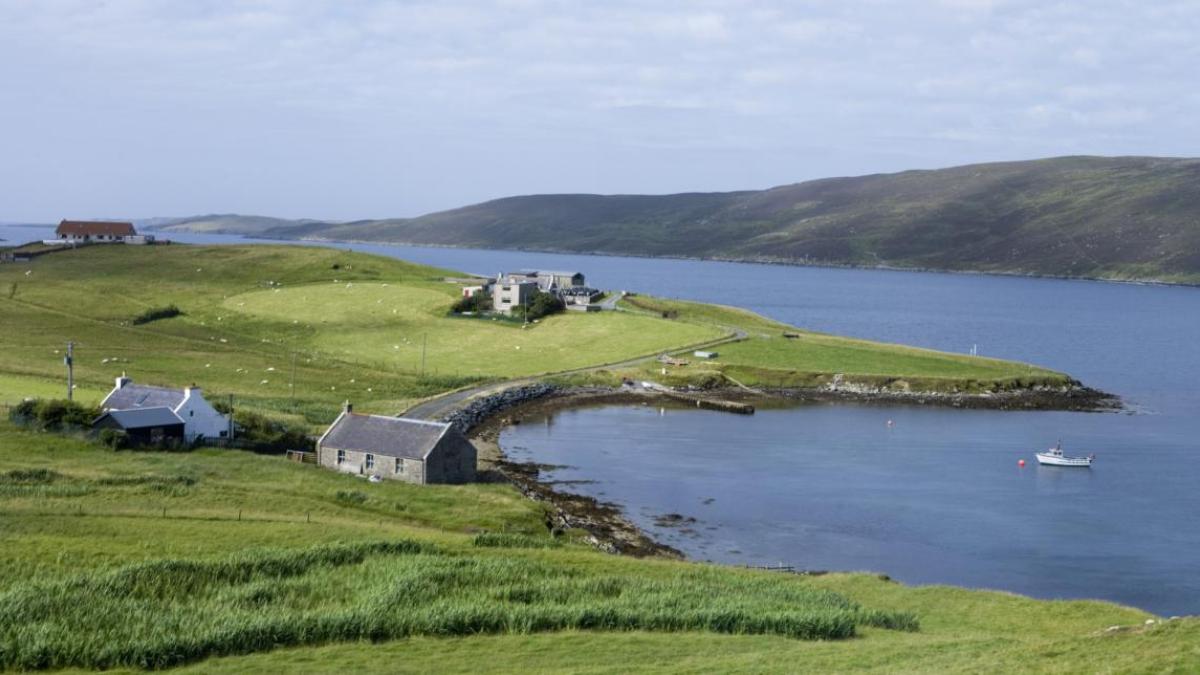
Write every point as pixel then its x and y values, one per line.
pixel 552 273
pixel 143 396
pixel 387 436
pixel 140 418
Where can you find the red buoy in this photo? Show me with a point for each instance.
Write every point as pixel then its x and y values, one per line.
pixel 1020 462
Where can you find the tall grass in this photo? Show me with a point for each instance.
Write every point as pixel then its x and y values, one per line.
pixel 165 613
pixel 509 540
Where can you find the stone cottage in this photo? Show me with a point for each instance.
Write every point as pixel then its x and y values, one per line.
pixel 396 448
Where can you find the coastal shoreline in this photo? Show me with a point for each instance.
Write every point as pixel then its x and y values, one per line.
pixel 607 527
pixel 786 262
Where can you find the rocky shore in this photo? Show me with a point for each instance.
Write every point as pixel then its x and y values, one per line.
pixel 1072 398
pixel 607 529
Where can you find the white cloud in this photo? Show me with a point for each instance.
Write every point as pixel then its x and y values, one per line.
pixel 308 108
pixel 1085 56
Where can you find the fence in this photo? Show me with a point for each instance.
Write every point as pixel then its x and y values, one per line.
pixel 302 456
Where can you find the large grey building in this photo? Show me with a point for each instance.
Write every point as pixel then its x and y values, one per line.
pixel 396 448
pixel 559 279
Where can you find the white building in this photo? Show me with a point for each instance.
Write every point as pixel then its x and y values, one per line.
pixel 92 231
pixel 200 419
pixel 509 295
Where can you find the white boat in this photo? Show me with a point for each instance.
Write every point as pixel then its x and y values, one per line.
pixel 1055 457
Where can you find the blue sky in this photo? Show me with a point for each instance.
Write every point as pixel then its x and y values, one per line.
pixel 348 110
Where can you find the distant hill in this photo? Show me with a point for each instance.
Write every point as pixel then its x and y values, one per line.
pixel 227 223
pixel 1105 217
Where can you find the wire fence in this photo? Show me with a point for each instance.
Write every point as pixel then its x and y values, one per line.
pixel 163 512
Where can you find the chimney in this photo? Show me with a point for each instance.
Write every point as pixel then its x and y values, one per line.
pixel 123 380
pixel 347 408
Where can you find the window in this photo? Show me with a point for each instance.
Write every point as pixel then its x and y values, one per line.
pixel 399 465
pixel 341 457
pixel 370 461
pixel 191 413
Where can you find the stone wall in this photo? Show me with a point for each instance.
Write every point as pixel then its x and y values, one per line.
pixel 385 467
pixel 480 409
pixel 453 460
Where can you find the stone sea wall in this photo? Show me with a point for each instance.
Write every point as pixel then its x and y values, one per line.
pixel 468 417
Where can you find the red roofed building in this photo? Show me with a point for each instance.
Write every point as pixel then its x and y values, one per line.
pixel 94 230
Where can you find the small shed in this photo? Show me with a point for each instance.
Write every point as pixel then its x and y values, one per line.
pixel 144 426
pixel 704 355
pixel 396 448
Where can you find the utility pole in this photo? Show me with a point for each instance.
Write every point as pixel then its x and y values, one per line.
pixel 231 424
pixel 69 360
pixel 424 340
pixel 292 385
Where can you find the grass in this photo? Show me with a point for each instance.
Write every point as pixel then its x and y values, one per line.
pixel 255 318
pixel 102 576
pixel 806 359
pixel 235 562
pixel 103 508
pixel 403 326
pixel 339 325
pixel 168 612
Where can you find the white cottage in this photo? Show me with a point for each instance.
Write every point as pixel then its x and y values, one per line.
pixel 200 419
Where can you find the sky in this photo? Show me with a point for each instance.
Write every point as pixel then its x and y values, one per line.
pixel 359 109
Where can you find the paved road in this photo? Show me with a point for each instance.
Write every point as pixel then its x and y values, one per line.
pixel 609 303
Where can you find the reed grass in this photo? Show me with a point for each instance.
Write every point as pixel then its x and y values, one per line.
pixel 169 612
pixel 511 540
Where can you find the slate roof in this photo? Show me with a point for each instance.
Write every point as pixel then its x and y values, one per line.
pixel 551 273
pixel 387 436
pixel 143 396
pixel 140 418
pixel 95 228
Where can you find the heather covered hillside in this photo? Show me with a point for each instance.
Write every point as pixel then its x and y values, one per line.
pixel 1107 217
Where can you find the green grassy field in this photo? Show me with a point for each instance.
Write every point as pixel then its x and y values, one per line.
pixel 118 559
pixel 352 326
pixel 377 331
pixel 395 324
pixel 223 561
pixel 767 358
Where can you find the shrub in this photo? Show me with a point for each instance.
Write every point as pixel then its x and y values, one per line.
pixel 53 414
pixel 480 302
pixel 260 433
pixel 351 497
pixel 544 304
pixel 156 313
pixel 113 439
